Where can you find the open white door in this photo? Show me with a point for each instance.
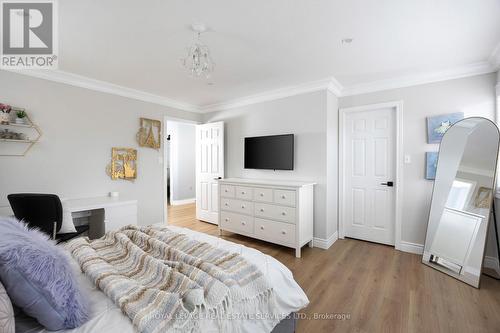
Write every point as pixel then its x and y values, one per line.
pixel 209 168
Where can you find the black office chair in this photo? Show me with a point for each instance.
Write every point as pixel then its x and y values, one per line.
pixel 43 211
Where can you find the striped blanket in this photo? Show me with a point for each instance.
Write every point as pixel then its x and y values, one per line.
pixel 166 282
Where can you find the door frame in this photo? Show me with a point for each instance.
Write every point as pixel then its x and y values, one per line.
pixel 165 157
pixel 398 195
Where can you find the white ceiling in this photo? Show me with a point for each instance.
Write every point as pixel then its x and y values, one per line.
pixel 261 45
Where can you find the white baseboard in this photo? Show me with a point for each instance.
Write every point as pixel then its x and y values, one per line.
pixel 411 247
pixel 325 243
pixel 492 263
pixel 182 202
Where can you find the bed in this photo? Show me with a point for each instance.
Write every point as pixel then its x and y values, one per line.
pixel 107 317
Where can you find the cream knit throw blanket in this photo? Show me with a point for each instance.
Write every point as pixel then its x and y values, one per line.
pixel 165 281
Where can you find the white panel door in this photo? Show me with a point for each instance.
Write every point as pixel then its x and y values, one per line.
pixel 209 168
pixel 369 166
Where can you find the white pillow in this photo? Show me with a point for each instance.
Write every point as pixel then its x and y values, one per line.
pixel 7 322
pixel 67 221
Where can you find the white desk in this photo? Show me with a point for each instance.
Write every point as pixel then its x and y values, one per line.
pixel 106 213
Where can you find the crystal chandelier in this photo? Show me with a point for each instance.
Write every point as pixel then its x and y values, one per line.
pixel 198 60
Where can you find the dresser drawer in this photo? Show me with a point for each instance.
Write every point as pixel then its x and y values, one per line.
pixel 117 217
pixel 120 212
pixel 227 191
pixel 237 222
pixel 245 193
pixel 275 231
pixel 237 206
pixel 281 213
pixel 284 197
pixel 263 194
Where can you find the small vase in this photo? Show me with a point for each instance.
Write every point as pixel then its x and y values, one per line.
pixel 21 121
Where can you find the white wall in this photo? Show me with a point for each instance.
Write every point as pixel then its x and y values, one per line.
pixel 475 96
pixel 307 116
pixel 182 159
pixel 79 128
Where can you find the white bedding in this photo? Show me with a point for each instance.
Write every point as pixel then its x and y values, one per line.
pixel 106 317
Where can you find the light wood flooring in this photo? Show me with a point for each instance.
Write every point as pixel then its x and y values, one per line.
pixel 381 289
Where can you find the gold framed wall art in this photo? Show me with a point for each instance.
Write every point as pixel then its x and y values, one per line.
pixel 123 163
pixel 149 134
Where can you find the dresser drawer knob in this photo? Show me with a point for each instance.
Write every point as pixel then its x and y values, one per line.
pixel 227 220
pixel 283 197
pixel 262 209
pixel 283 213
pixel 243 206
pixel 283 232
pixel 243 223
pixel 225 204
pixel 242 192
pixel 226 190
pixel 261 228
pixel 262 194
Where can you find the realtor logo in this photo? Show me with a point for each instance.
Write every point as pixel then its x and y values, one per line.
pixel 29 34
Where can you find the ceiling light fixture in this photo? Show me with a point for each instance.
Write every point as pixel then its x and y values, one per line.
pixel 198 61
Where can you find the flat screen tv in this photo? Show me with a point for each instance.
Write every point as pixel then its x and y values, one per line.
pixel 273 152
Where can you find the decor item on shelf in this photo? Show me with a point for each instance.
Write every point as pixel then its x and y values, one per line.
pixel 431 159
pixel 21 116
pixel 8 135
pixel 149 134
pixel 483 198
pixel 198 60
pixel 5 113
pixel 123 164
pixel 438 125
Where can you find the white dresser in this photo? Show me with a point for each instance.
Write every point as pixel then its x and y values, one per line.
pixel 279 212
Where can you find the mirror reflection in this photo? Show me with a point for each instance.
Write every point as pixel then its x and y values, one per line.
pixel 462 199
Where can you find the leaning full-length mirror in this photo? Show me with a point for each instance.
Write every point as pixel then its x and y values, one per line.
pixel 462 199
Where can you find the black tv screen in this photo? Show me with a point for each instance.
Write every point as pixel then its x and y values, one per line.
pixel 269 152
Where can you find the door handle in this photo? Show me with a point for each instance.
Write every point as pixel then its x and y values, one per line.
pixel 390 184
pixel 217 178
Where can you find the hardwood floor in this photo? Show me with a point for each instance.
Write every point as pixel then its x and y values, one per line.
pixel 379 288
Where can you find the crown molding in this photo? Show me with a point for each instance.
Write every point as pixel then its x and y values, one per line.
pixel 326 84
pixel 105 87
pixel 419 79
pixel 329 84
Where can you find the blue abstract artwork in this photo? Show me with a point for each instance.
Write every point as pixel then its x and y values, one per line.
pixel 438 125
pixel 431 159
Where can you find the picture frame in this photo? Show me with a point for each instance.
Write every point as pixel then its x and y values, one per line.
pixel 123 163
pixel 431 159
pixel 438 125
pixel 149 134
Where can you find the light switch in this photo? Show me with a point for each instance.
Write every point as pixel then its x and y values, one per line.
pixel 407 159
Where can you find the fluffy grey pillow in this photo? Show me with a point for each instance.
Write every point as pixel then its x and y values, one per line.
pixel 6 312
pixel 38 277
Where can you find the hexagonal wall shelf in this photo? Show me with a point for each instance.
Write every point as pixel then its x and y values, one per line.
pixel 19 147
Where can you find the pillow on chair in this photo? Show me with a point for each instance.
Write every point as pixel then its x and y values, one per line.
pixel 67 225
pixel 7 324
pixel 38 277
